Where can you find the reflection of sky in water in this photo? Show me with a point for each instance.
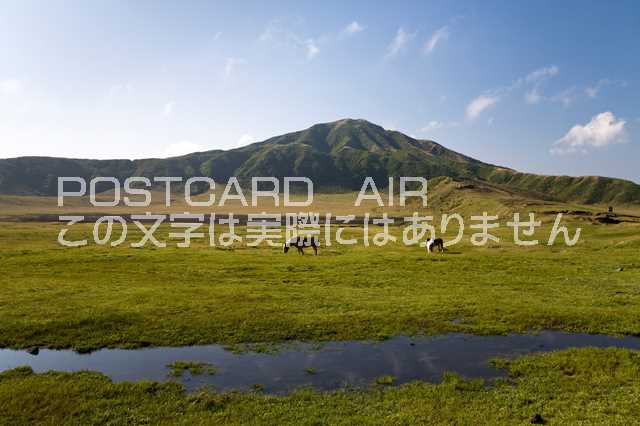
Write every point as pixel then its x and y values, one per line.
pixel 337 363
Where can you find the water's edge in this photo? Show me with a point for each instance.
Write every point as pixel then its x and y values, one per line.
pixel 327 367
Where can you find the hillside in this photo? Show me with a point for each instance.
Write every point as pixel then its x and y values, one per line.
pixel 336 156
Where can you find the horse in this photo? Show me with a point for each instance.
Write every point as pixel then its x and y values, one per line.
pixel 432 244
pixel 300 242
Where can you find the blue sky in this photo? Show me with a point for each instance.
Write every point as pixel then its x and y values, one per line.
pixel 546 87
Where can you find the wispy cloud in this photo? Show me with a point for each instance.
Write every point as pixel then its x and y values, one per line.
pixel 533 96
pixel 566 97
pixel 479 104
pixel 400 42
pixel 594 90
pixel 542 73
pixel 277 32
pixel 534 81
pixel 436 125
pixel 439 35
pixel 353 28
pixel 532 85
pixel 604 129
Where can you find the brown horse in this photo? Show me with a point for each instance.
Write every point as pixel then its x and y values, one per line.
pixel 301 242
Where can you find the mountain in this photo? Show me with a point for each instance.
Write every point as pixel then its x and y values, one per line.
pixel 336 156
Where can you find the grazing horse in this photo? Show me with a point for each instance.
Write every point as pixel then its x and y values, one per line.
pixel 300 242
pixel 433 244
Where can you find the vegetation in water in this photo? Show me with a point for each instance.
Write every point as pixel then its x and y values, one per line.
pixel 195 368
pixel 385 380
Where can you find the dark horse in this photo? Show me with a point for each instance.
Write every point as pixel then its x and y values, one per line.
pixel 301 242
pixel 434 244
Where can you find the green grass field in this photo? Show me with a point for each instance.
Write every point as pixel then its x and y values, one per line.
pixel 97 296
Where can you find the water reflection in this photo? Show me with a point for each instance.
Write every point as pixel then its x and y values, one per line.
pixel 334 365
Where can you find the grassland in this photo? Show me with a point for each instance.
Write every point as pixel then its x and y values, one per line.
pixel 587 386
pixel 97 296
pixel 445 195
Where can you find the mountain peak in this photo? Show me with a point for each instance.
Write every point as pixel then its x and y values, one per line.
pixel 335 155
pixel 353 122
pixel 358 123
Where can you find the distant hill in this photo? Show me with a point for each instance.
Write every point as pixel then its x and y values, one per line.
pixel 336 156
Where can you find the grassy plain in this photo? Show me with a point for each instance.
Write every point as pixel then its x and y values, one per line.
pixel 445 195
pixel 97 296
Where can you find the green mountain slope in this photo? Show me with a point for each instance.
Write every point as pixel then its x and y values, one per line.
pixel 335 155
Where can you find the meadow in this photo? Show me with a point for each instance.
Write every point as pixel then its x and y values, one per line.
pixel 100 296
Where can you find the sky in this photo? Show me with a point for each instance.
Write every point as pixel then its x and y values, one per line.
pixel 541 86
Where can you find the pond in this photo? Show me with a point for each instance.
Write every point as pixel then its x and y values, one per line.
pixel 326 367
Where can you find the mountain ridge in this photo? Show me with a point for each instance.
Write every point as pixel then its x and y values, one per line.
pixel 335 155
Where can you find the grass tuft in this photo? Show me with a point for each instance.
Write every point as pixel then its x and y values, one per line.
pixel 178 368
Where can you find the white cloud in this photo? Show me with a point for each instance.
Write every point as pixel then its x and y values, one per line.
pixel 353 28
pixel 399 42
pixel 534 80
pixel 533 96
pixel 436 37
pixel 245 140
pixel 167 110
pixel 277 33
pixel 542 73
pixel 312 48
pixel 603 129
pixel 531 86
pixel 435 125
pixel 566 97
pixel 181 148
pixel 594 90
pixel 480 104
pixel 231 64
pixel 11 86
